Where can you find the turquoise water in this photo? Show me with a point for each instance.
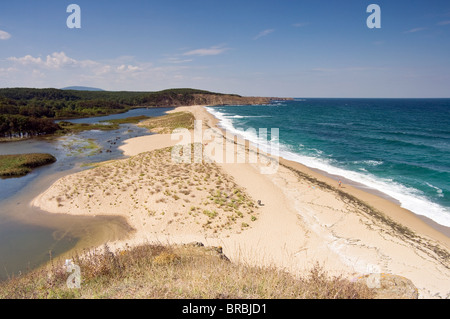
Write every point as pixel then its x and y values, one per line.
pixel 398 146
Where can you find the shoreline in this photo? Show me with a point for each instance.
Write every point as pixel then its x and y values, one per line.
pixel 302 221
pixel 333 178
pixel 372 196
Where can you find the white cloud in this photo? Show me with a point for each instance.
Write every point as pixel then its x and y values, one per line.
pixel 299 25
pixel 415 30
pixel 26 60
pixel 128 68
pixel 263 33
pixel 215 50
pixel 4 35
pixel 444 22
pixel 102 70
pixel 37 74
pixel 7 71
pixel 123 73
pixel 56 60
pixel 174 60
pixel 356 69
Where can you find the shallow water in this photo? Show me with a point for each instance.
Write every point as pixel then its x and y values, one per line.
pixel 28 236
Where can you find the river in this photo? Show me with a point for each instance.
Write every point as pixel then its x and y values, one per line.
pixel 30 237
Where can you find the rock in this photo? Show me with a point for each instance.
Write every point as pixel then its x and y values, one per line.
pixel 387 286
pixel 214 99
pixel 218 251
pixel 195 244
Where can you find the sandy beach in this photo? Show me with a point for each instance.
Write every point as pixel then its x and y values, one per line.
pixel 304 217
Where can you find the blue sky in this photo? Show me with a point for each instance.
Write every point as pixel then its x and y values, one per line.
pixel 270 48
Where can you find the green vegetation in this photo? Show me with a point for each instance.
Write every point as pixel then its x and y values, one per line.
pixel 60 104
pixel 24 126
pixel 22 164
pixel 66 127
pixel 210 214
pixel 128 120
pixel 80 147
pixel 185 272
pixel 167 123
pixel 28 112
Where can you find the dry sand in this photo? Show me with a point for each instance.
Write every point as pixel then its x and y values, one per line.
pixel 305 218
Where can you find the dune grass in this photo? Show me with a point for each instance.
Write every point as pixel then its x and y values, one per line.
pixel 107 125
pixel 175 272
pixel 128 120
pixel 167 123
pixel 22 164
pixel 69 127
pixel 160 194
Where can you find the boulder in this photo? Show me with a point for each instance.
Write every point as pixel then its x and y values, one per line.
pixel 388 286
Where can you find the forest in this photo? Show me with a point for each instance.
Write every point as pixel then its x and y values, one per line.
pixel 26 112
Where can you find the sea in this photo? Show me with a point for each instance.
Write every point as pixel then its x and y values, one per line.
pixel 400 147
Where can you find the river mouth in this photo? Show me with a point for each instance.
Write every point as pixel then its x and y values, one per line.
pixel 33 237
pixel 30 237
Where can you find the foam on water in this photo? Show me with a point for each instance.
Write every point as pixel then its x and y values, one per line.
pixel 438 190
pixel 409 198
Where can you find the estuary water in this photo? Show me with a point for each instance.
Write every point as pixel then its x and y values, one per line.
pixel 30 237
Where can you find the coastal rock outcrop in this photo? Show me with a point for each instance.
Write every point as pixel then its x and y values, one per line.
pixel 174 100
pixel 392 287
pixel 229 99
pixel 210 250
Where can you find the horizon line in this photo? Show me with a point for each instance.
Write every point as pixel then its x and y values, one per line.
pixel 174 88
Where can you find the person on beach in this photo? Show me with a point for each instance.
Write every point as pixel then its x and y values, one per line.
pixel 340 184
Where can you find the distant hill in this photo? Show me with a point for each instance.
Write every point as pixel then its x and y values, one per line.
pixel 69 103
pixel 30 112
pixel 81 88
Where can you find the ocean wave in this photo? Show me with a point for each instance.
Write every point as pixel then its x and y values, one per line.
pixel 315 151
pixel 404 143
pixel 369 162
pixel 409 198
pixel 439 191
pixel 245 116
pixel 278 104
pixel 433 136
pixel 331 124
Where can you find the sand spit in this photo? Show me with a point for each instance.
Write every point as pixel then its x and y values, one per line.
pixel 303 218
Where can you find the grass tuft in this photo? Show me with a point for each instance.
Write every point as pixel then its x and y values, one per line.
pixel 22 164
pixel 168 123
pixel 170 272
